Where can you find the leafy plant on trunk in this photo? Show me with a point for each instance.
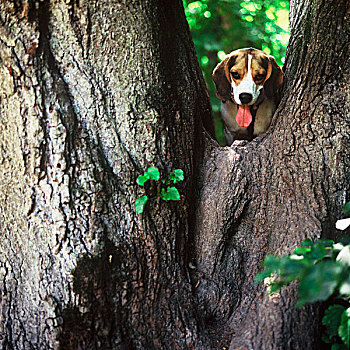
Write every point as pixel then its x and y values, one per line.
pixel 167 192
pixel 323 271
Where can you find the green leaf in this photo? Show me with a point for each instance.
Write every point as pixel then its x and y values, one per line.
pixel 326 339
pixel 272 260
pixel 179 174
pixel 262 275
pixel 292 269
pixel 339 347
pixel 327 243
pixel 173 194
pixel 275 286
pixel 272 265
pixel 317 252
pixel 170 194
pixel 153 173
pixel 162 194
pixel 344 328
pixel 332 319
pixel 141 180
pixel 302 251
pixel 140 204
pixel 346 208
pixel 307 242
pixel 313 253
pixel 319 282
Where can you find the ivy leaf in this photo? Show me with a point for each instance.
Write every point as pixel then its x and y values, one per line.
pixel 344 328
pixel 346 208
pixel 292 269
pixel 275 286
pixel 332 319
pixel 140 204
pixel 153 173
pixel 272 264
pixel 339 347
pixel 317 252
pixel 326 339
pixel 307 242
pixel 177 175
pixel 301 251
pixel 170 194
pixel 262 275
pixel 327 243
pixel 319 282
pixel 141 180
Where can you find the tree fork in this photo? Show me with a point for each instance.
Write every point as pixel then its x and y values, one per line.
pixel 92 95
pixel 270 194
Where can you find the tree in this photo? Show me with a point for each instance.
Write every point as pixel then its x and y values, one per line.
pixel 95 92
pixel 279 189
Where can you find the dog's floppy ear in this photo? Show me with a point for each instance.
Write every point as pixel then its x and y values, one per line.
pixel 221 77
pixel 273 84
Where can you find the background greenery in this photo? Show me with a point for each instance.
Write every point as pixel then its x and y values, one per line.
pixel 221 26
pixel 323 271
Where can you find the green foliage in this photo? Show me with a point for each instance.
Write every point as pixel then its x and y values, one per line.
pixel 152 173
pixel 167 192
pixel 177 175
pixel 337 322
pixel 344 328
pixel 170 194
pixel 332 319
pixel 318 266
pixel 221 26
pixel 323 271
pixel 346 208
pixel 140 204
pixel 318 282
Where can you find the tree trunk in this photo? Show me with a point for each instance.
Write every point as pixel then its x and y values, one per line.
pixel 268 195
pixel 95 92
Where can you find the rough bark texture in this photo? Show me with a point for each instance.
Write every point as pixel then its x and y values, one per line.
pixel 268 195
pixel 94 92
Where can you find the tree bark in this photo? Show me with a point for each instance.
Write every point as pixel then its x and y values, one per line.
pixel 95 92
pixel 268 195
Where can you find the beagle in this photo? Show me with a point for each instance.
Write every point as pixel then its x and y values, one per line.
pixel 248 82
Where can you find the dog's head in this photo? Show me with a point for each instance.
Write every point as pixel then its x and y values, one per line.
pixel 244 73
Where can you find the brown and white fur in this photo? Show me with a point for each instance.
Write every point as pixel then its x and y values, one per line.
pixel 247 77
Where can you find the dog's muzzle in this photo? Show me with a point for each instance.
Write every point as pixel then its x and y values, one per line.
pixel 245 98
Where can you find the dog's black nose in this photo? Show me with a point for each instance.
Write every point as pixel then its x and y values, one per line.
pixel 245 98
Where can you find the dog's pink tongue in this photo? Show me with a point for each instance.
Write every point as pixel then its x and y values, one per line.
pixel 243 117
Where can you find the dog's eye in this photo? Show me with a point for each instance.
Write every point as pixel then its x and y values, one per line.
pixel 235 75
pixel 259 77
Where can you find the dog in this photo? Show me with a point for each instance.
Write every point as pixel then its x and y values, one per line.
pixel 249 84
